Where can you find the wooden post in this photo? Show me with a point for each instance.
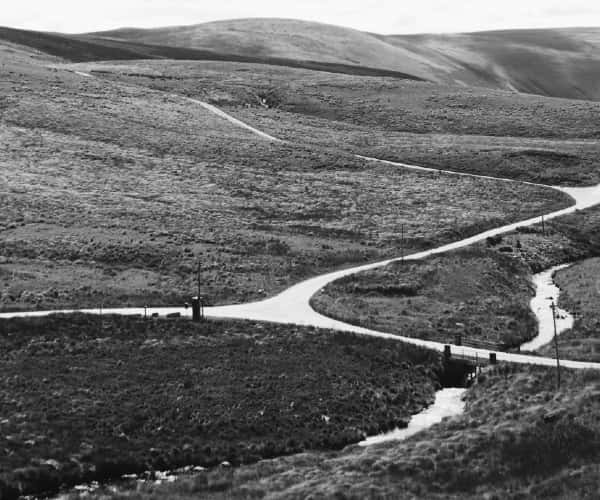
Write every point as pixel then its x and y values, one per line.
pixel 198 278
pixel 196 309
pixel 447 352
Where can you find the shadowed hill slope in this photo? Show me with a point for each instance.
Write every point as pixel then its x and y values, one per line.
pixel 284 38
pixel 551 62
pixel 79 48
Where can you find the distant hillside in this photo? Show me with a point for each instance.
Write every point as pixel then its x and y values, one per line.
pixel 552 62
pixel 284 38
pixel 87 48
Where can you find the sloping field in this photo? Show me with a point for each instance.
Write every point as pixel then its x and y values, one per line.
pixel 551 62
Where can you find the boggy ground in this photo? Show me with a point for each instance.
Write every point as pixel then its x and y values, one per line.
pixel 86 398
pixel 112 194
pixel 504 134
pixel 481 293
pixel 580 293
pixel 520 437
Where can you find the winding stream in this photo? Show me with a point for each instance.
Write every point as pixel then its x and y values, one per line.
pixel 546 292
pixel 448 403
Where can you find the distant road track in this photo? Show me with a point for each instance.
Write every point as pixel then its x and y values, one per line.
pixel 235 121
pixel 292 306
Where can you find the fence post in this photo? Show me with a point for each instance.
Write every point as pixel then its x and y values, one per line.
pixel 196 309
pixel 447 352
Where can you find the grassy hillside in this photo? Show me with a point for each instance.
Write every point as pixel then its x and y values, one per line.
pixel 557 63
pixel 85 48
pixel 289 39
pixel 551 62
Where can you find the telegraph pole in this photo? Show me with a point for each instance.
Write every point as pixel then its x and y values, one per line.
pixel 199 271
pixel 553 307
pixel 543 226
pixel 197 305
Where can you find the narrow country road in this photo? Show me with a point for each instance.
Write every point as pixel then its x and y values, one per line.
pixel 292 306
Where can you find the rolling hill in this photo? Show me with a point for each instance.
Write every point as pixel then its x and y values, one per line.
pixel 79 48
pixel 550 62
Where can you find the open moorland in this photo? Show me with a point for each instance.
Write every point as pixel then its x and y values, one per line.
pixel 84 398
pixel 476 130
pixel 115 183
pixel 519 438
pixel 114 193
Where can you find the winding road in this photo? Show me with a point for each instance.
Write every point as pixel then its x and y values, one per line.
pixel 292 306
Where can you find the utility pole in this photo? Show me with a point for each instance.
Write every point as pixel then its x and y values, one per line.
pixel 199 271
pixel 553 307
pixel 197 306
pixel 543 226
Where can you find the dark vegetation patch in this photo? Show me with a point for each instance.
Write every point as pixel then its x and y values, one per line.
pixel 474 297
pixel 519 438
pixel 87 398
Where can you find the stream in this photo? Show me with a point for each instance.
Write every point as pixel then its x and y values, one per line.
pixel 448 403
pixel 546 291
